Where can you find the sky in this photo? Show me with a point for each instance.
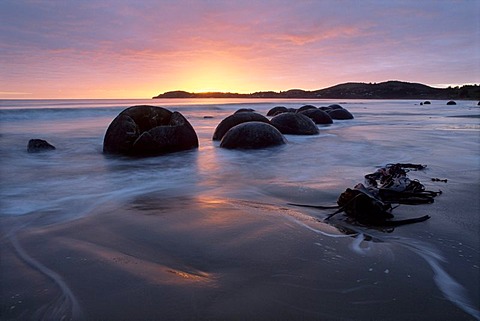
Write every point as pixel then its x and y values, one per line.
pixel 141 48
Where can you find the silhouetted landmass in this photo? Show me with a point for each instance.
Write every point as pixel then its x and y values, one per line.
pixel 351 90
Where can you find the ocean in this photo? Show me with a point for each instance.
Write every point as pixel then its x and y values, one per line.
pixel 428 270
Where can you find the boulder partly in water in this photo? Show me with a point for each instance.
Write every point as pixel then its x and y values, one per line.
pixel 294 124
pixel 318 116
pixel 340 114
pixel 252 135
pixel 148 131
pixel 236 119
pixel 277 110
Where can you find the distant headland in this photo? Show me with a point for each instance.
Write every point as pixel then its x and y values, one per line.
pixel 350 90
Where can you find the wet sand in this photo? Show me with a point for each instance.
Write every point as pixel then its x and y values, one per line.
pixel 204 258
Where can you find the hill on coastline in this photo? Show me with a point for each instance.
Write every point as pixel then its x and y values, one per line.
pixel 350 90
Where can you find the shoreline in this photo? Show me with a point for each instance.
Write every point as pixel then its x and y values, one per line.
pixel 212 259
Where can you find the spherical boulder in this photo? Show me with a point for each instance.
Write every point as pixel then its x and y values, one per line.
pixel 335 106
pixel 39 145
pixel 426 102
pixel 451 102
pixel 318 116
pixel 236 119
pixel 147 131
pixel 294 124
pixel 277 110
pixel 305 107
pixel 252 135
pixel 340 114
pixel 244 110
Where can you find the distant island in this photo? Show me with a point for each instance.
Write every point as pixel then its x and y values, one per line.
pixel 350 90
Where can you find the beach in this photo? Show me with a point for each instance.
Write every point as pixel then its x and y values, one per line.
pixel 209 234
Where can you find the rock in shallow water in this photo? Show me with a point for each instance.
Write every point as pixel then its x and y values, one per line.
pixel 147 131
pixel 252 135
pixel 318 116
pixel 294 124
pixel 277 110
pixel 235 119
pixel 340 114
pixel 39 145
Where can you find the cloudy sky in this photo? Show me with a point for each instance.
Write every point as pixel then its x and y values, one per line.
pixel 140 48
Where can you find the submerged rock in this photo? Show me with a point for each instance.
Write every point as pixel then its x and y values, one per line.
pixel 39 145
pixel 236 119
pixel 294 124
pixel 252 135
pixel 148 130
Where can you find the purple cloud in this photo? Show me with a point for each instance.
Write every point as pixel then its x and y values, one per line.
pixel 273 44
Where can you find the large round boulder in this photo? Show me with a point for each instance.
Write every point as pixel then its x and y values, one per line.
pixel 318 116
pixel 148 130
pixel 236 119
pixel 451 102
pixel 277 110
pixel 340 114
pixel 294 124
pixel 252 135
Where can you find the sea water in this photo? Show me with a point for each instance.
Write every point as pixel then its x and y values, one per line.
pixel 77 178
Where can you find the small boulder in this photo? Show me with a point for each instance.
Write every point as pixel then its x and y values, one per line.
pixel 147 131
pixel 236 119
pixel 340 114
pixel 252 135
pixel 426 102
pixel 335 106
pixel 39 145
pixel 244 110
pixel 451 102
pixel 318 116
pixel 294 124
pixel 305 107
pixel 277 110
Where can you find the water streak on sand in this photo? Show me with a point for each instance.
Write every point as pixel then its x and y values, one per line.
pixel 451 289
pixel 66 305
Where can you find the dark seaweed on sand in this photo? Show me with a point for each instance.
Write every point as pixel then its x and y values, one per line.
pixel 371 204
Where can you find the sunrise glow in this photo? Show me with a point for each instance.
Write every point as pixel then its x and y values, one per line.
pixel 142 49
